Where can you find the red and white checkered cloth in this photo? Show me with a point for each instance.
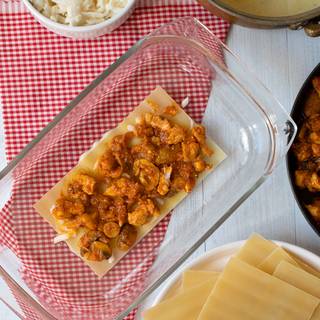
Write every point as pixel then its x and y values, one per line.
pixel 40 73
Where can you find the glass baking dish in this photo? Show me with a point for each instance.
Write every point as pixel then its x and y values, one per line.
pixel 241 116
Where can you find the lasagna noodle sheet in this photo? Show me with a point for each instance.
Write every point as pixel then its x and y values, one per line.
pixel 255 250
pixel 299 278
pixel 270 263
pixel 88 161
pixel 186 305
pixel 192 278
pixel 242 292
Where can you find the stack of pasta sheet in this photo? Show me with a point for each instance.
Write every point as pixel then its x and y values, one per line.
pixel 262 281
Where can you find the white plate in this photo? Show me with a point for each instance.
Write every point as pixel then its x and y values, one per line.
pixel 216 259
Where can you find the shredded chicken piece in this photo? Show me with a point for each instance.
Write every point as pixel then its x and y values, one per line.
pixel 164 181
pixel 154 106
pixel 312 105
pixel 116 212
pixel 314 137
pixel 302 150
pixel 174 135
pixel 127 237
pixel 147 172
pixel 101 202
pixel 120 143
pixel 303 133
pixel 206 150
pixel 157 122
pixel 65 209
pixel 169 154
pixel 314 209
pixel 94 246
pixel 110 166
pixel 200 165
pixel 123 187
pixel 145 210
pixel 315 149
pixel 89 221
pixel 314 183
pixel 302 178
pixel 87 182
pixel 117 157
pixel 184 176
pixel 171 110
pixel 137 171
pixel 313 122
pixel 190 150
pixel 144 150
pixel 144 130
pixel 75 192
pixel 199 132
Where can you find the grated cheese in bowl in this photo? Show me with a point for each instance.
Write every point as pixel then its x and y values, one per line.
pixel 79 12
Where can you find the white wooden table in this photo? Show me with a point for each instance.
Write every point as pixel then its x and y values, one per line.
pixel 282 59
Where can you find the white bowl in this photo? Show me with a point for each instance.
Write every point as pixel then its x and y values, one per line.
pixel 83 32
pixel 217 259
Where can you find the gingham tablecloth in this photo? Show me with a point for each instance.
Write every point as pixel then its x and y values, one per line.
pixel 40 72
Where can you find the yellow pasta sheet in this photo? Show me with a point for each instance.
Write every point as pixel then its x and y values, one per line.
pixel 88 161
pixel 316 315
pixel 192 278
pixel 306 267
pixel 255 250
pixel 244 292
pixel 264 254
pixel 270 263
pixel 300 279
pixel 184 306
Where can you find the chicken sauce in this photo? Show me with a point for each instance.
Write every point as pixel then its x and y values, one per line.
pixel 154 160
pixel 307 149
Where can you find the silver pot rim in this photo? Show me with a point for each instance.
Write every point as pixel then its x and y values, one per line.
pixel 283 21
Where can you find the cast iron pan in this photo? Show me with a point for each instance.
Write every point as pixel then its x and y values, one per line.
pixel 302 196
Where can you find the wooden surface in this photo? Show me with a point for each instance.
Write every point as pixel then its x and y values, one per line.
pixel 282 59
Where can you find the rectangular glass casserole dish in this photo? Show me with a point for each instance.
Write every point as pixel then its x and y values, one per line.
pixel 241 116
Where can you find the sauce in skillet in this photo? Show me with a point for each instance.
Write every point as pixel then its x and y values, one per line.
pixel 273 8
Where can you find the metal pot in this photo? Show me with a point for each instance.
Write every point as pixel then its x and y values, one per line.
pixel 308 20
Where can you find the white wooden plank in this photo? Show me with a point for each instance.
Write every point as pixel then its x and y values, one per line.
pixel 269 210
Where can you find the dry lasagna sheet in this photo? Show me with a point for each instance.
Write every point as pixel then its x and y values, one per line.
pixel 88 162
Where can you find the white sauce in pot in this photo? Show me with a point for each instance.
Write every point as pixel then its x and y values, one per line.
pixel 273 8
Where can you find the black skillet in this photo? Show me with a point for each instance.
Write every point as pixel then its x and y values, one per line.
pixel 302 196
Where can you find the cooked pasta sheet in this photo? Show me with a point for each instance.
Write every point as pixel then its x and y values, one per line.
pixel 88 163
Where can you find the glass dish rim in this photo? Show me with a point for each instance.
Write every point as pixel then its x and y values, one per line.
pixel 110 69
pixel 73 103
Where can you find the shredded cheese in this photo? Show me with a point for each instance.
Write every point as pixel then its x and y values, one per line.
pixel 185 102
pixel 79 12
pixel 60 238
pixel 111 259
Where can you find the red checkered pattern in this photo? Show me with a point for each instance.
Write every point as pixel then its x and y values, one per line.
pixel 40 73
